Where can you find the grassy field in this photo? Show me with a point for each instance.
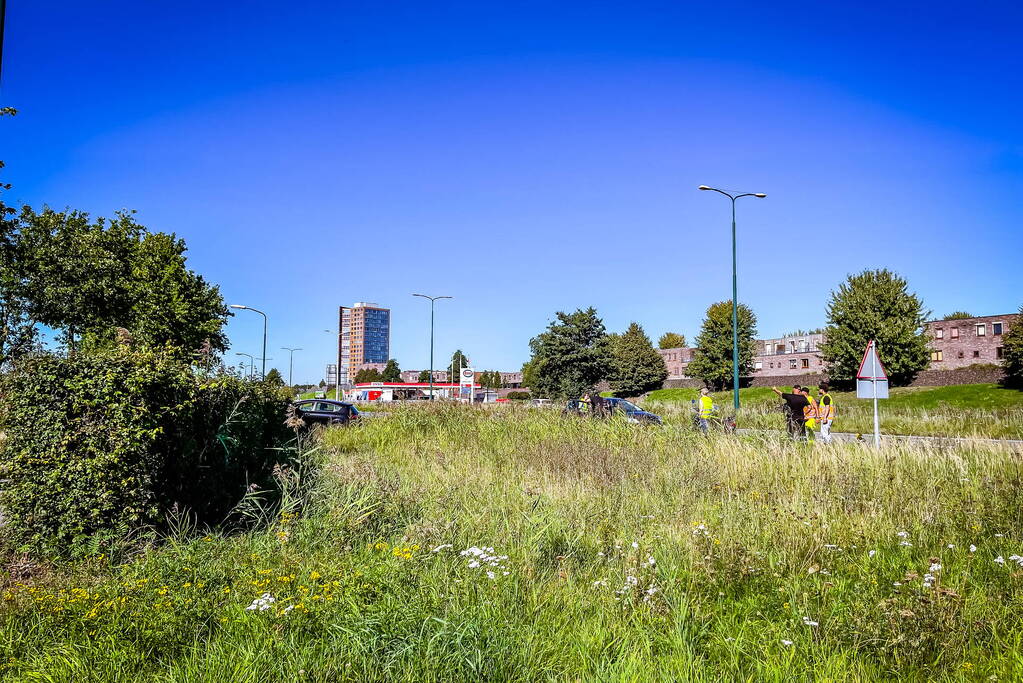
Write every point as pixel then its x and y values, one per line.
pixel 981 410
pixel 459 543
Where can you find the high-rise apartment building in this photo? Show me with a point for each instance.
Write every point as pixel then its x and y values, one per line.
pixel 365 337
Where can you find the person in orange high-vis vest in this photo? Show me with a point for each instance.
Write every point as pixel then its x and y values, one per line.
pixel 825 412
pixel 809 413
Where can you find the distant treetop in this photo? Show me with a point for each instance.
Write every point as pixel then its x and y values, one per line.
pixel 803 333
pixel 958 315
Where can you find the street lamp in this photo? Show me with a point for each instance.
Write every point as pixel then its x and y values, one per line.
pixel 250 308
pixel 291 359
pixel 432 300
pixel 735 293
pixel 252 366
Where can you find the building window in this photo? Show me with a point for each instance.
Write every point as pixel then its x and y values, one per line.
pixel 960 355
pixel 806 363
pixel 939 333
pixel 981 330
pixel 976 354
pixel 998 352
pixel 996 328
pixel 792 364
pixel 760 366
pixel 936 356
pixel 954 333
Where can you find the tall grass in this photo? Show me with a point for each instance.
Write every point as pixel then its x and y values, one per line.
pixel 972 411
pixel 632 554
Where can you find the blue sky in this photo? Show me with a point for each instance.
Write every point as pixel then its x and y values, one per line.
pixel 531 157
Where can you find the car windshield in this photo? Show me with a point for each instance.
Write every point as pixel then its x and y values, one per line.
pixel 627 405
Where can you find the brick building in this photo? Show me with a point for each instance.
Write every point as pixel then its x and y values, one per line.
pixel 970 341
pixel 955 344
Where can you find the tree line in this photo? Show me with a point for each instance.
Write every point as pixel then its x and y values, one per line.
pixel 576 353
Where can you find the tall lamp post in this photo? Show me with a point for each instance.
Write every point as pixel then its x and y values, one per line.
pixel 250 308
pixel 252 362
pixel 291 360
pixel 432 300
pixel 735 293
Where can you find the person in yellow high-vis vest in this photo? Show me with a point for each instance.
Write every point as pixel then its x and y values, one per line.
pixel 705 406
pixel 825 412
pixel 809 413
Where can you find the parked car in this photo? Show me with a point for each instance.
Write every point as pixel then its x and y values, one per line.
pixel 325 412
pixel 631 411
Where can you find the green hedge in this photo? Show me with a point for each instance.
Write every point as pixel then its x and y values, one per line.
pixel 112 441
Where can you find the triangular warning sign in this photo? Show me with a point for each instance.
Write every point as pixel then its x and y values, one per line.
pixel 870 366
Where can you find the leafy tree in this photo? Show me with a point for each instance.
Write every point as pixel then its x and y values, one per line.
pixel 713 361
pixel 323 383
pixel 424 376
pixel 458 361
pixel 958 315
pixel 491 379
pixel 635 364
pixel 876 304
pixel 87 278
pixel 17 331
pixel 671 340
pixel 528 374
pixel 392 373
pixel 274 378
pixel 1012 353
pixel 570 357
pixel 368 375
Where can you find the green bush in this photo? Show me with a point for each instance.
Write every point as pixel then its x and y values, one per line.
pixel 110 442
pixel 518 396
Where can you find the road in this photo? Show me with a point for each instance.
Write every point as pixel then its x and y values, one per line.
pixel 847 437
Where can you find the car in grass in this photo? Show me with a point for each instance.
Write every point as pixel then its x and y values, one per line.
pixel 321 411
pixel 615 406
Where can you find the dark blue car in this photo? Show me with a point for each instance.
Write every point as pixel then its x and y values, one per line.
pixel 632 412
pixel 325 412
pixel 612 407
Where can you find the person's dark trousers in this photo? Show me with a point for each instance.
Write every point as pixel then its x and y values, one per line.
pixel 797 429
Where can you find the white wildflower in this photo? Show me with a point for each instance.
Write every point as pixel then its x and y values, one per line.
pixel 1000 560
pixel 810 622
pixel 950 546
pixel 973 548
pixel 906 543
pixel 262 603
pixel 635 545
pixel 872 553
pixel 651 561
pixel 441 547
pixel 999 535
pixel 903 534
pixel 786 643
pixel 830 546
pixel 491 575
pixel 935 567
pixel 896 584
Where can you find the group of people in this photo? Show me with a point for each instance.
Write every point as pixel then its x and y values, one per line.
pixel 806 414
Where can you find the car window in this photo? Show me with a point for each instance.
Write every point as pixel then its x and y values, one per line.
pixel 324 407
pixel 304 405
pixel 628 406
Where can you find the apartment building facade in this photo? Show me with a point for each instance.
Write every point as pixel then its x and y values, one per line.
pixel 364 338
pixel 968 341
pixel 954 344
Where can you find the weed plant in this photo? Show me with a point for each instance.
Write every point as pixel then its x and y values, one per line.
pixel 459 543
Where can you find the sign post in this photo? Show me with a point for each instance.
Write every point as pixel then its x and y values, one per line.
pixel 466 380
pixel 872 383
